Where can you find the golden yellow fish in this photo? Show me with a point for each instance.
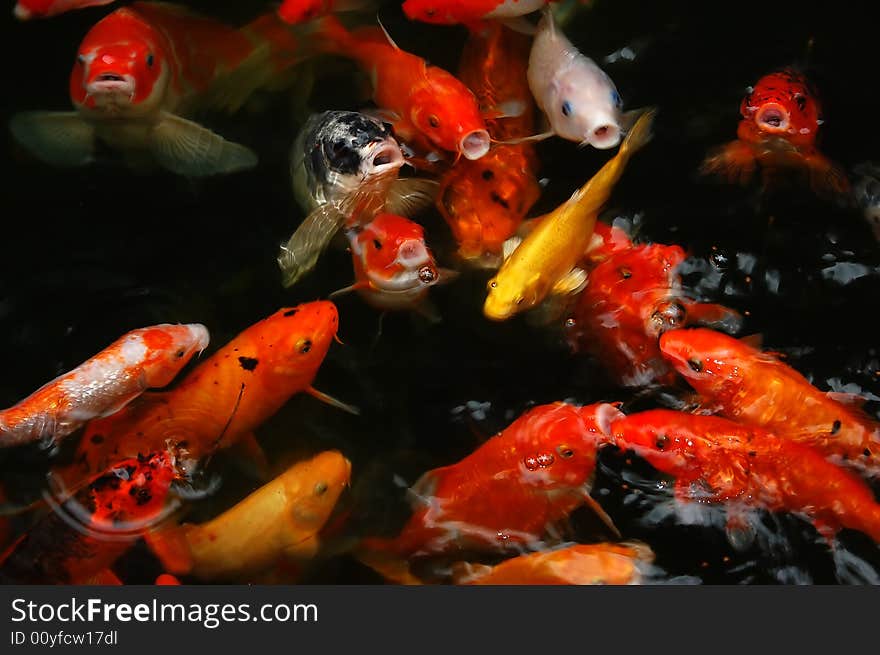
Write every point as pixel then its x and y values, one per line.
pixel 546 259
pixel 279 522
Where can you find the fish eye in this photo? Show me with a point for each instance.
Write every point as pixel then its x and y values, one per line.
pixel 304 345
pixel 493 284
pixel 321 488
pixel 81 59
pixel 696 365
pixel 566 108
pixel 662 442
pixel 433 121
pixel 565 452
pixel 427 275
pixel 616 99
pixel 180 353
pixel 150 60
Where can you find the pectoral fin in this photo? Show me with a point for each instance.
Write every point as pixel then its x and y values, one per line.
pixel 527 139
pixel 509 246
pixel 57 138
pixel 187 148
pixel 410 195
pixel 333 402
pixel 300 254
pixel 572 282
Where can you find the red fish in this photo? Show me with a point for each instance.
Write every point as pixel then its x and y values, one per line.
pixel 139 72
pixel 449 12
pixel 89 531
pixel 781 119
pixel 141 359
pixel 749 386
pixel 428 106
pixel 294 12
pixel 507 493
pixel 632 296
pixel 484 202
pixel 223 399
pixel 715 460
pixel 392 264
pixel 28 9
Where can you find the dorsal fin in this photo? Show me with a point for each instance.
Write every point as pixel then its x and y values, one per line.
pixel 753 340
pixel 385 32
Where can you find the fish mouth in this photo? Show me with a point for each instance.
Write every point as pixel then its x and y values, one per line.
pixel 772 118
pixel 386 156
pixel 604 136
pixel 111 84
pixel 475 144
pixel 606 414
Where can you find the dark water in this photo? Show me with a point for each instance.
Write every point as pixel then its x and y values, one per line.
pixel 91 253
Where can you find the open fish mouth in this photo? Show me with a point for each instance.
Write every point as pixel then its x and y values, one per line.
pixel 384 157
pixel 111 84
pixel 606 135
pixel 475 144
pixel 772 118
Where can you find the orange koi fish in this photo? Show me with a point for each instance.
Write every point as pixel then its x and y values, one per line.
pixel 392 264
pixel 581 564
pixel 485 201
pixel 89 531
pixel 781 119
pixel 753 387
pixel 141 359
pixel 28 9
pixel 632 297
pixel 428 106
pixel 715 460
pixel 507 493
pixel 279 521
pixel 224 399
pixel 449 12
pixel 138 73
pixel 294 12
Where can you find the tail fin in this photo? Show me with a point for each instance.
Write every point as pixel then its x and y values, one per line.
pixel 640 134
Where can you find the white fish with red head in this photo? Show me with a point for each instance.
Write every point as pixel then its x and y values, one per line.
pixel 581 102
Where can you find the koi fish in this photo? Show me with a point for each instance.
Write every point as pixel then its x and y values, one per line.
pixel 279 521
pixel 507 493
pixel 224 399
pixel 632 297
pixel 753 387
pixel 579 99
pixel 484 202
pixel 781 119
pixel 344 166
pixel 294 12
pixel 142 359
pixel 138 73
pixel 28 9
pixel 392 264
pixel 450 12
pixel 88 532
pixel 427 105
pixel 545 262
pixel 581 564
pixel 715 460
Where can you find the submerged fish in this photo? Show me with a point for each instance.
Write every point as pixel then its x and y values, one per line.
pixel 753 387
pixel 715 460
pixel 28 9
pixel 777 134
pixel 88 532
pixel 279 521
pixel 299 11
pixel 344 167
pixel 579 99
pixel 545 262
pixel 448 12
pixel 581 564
pixel 139 360
pixel 138 73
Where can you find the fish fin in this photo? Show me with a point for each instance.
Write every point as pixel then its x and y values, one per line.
pixel 300 254
pixel 755 341
pixel 640 133
pixel 520 24
pixel 467 572
pixel 188 149
pixel 330 400
pixel 387 35
pixel 231 90
pixel 349 289
pixel 410 195
pixel 509 246
pixel 572 282
pixel 850 400
pixel 526 139
pixel 715 316
pixel 171 548
pixel 507 109
pixel 56 138
pixel 250 457
pixel 594 505
pixel 826 178
pixel 734 163
pixel 422 492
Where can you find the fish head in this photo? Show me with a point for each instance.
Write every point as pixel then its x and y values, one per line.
pixel 313 487
pixel 299 336
pixel 294 12
pixel 557 443
pixel 664 437
pixel 784 104
pixel 131 492
pixel 583 105
pixel 709 360
pixel 512 291
pixel 447 113
pixel 168 348
pixel 119 69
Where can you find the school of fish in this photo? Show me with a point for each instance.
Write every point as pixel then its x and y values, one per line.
pixel 734 427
